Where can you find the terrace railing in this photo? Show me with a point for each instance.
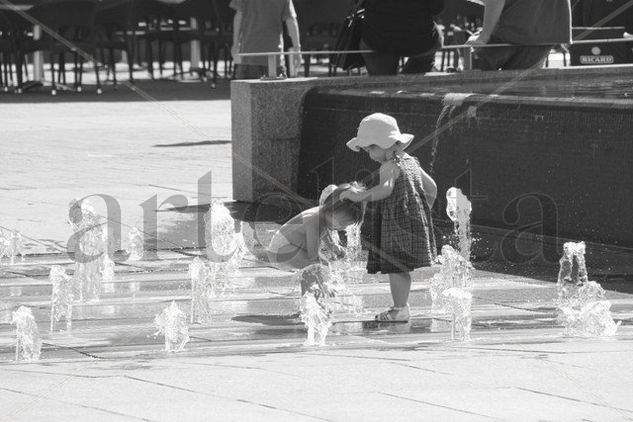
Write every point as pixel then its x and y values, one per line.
pixel 465 50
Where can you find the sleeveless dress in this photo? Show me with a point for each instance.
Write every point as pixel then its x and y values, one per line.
pixel 401 237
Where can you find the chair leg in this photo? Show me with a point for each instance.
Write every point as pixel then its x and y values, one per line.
pixel 26 69
pixel 113 66
pixel 161 58
pixel 19 59
pixel 63 66
pixel 77 86
pixel 54 87
pixel 81 75
pixel 101 54
pixel 96 66
pixel 227 53
pixel 180 59
pixel 129 53
pixel 150 57
pixel 204 52
pixel 59 67
pixel 214 60
pixel 3 72
pixel 130 64
pixel 176 57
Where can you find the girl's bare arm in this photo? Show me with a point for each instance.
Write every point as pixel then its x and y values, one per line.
pixel 313 238
pixel 430 188
pixel 389 172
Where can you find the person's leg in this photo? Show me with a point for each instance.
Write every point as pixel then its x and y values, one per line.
pixel 400 285
pixel 419 64
pixel 289 257
pixel 379 63
pixel 492 58
pixel 528 57
pixel 249 71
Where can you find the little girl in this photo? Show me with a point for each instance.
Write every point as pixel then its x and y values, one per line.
pixel 402 236
pixel 297 243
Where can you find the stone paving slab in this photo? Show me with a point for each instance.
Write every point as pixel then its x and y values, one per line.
pixel 505 378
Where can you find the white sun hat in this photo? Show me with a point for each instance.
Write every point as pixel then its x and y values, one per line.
pixel 325 194
pixel 381 130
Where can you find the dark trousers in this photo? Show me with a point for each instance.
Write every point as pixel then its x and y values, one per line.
pixel 253 71
pixel 387 64
pixel 510 58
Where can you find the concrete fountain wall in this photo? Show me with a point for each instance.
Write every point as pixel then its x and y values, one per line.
pixel 562 164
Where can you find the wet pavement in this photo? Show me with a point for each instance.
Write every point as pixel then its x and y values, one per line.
pixel 257 307
pixel 249 362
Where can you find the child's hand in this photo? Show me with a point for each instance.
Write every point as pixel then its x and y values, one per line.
pixel 351 196
pixel 339 251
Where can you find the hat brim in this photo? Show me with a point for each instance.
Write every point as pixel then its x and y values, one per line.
pixel 355 144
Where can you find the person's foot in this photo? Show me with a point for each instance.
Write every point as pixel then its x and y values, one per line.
pixel 394 314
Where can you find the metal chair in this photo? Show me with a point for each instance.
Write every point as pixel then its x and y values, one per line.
pixel 456 36
pixel 8 52
pixel 148 19
pixel 224 25
pixel 206 33
pixel 68 28
pixel 319 23
pixel 114 25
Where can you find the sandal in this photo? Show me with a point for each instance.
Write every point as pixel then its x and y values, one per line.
pixel 394 314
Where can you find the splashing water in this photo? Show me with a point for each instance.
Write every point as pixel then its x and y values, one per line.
pixel 354 257
pixel 450 102
pixel 62 297
pixel 448 294
pixel 172 323
pixel 458 303
pixel 328 281
pixel 587 314
pixel 92 242
pixel 135 247
pixel 221 239
pixel 11 246
pixel 330 248
pixel 341 298
pixel 203 289
pixel 455 271
pixel 316 317
pixel 458 209
pixel 225 247
pixel 582 309
pixel 326 292
pixel 28 343
pixel 353 248
pixel 573 270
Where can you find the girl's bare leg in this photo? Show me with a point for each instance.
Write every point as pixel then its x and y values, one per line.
pixel 400 284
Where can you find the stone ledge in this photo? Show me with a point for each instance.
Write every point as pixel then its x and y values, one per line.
pixel 267 118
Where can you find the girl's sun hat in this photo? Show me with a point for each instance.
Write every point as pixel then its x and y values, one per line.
pixel 381 130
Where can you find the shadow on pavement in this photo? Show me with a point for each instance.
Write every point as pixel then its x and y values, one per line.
pixel 143 90
pixel 194 144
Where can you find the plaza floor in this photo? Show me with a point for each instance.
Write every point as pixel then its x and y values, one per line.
pixel 249 362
